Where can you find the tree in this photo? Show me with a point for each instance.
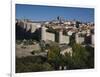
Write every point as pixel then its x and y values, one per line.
pixel 80 56
pixel 90 59
pixel 54 55
pixel 32 64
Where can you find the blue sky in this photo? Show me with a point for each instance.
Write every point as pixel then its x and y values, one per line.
pixel 39 13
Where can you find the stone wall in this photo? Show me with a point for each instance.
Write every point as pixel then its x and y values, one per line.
pixel 92 39
pixel 50 36
pixel 79 39
pixel 65 39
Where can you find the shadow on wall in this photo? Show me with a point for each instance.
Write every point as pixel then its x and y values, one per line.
pixel 22 34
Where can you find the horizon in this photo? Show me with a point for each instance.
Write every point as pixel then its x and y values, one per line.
pixel 48 13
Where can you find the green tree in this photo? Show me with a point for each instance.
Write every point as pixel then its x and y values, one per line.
pixel 79 57
pixel 90 59
pixel 54 55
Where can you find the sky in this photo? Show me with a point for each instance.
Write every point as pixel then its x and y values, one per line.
pixel 47 13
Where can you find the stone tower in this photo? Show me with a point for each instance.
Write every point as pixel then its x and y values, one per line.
pixel 60 36
pixel 25 23
pixel 77 38
pixel 43 33
pixel 92 39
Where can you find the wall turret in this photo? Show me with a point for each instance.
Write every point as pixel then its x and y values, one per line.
pixel 43 33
